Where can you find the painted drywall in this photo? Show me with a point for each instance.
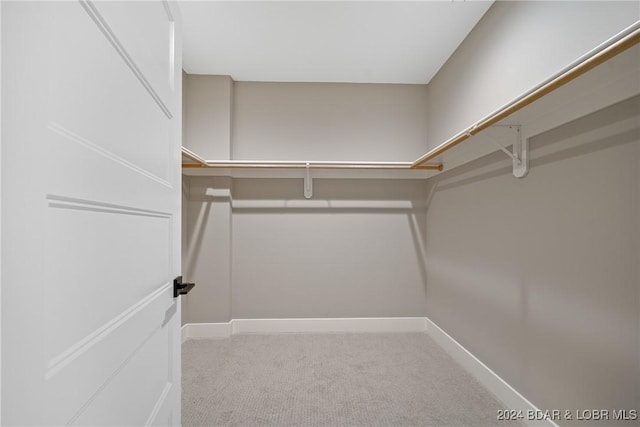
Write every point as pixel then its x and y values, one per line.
pixel 515 46
pixel 539 277
pixel 184 201
pixel 329 121
pixel 208 256
pixel 207 115
pixel 354 250
pixel 185 242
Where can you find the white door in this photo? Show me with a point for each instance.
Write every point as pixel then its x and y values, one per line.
pixel 91 117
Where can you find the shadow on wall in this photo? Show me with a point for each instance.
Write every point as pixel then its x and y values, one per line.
pixel 545 148
pixel 196 232
pixel 356 249
pixel 340 197
pixel 538 277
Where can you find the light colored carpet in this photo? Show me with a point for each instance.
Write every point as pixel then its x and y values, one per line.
pixel 329 380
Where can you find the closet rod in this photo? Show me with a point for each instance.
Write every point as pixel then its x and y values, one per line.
pixel 193 156
pixel 284 164
pixel 615 45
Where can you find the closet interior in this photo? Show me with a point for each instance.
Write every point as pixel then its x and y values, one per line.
pixel 497 209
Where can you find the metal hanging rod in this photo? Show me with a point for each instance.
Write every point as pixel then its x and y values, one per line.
pixel 286 164
pixel 600 54
pixel 615 45
pixel 200 162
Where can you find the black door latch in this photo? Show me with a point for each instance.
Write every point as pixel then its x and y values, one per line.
pixel 180 288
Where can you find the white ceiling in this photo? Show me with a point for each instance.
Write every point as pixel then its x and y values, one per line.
pixel 325 41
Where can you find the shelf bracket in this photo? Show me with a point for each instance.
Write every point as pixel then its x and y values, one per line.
pixel 308 182
pixel 519 154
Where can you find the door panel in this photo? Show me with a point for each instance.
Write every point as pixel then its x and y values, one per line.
pixel 146 31
pixel 145 376
pixel 105 274
pixel 90 192
pixel 78 379
pixel 97 97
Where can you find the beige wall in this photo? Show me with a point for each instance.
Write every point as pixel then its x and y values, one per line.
pixel 354 250
pixel 539 277
pixel 304 121
pixel 515 46
pixel 184 241
pixel 207 260
pixel 207 104
pixel 319 249
pixel 226 248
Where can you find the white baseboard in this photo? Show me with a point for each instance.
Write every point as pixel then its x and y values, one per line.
pixel 384 324
pixel 489 379
pixel 279 326
pixel 206 330
pixel 511 398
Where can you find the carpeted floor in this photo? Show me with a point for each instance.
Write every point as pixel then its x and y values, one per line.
pixel 329 380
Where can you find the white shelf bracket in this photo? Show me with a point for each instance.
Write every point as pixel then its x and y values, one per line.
pixel 519 154
pixel 308 183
